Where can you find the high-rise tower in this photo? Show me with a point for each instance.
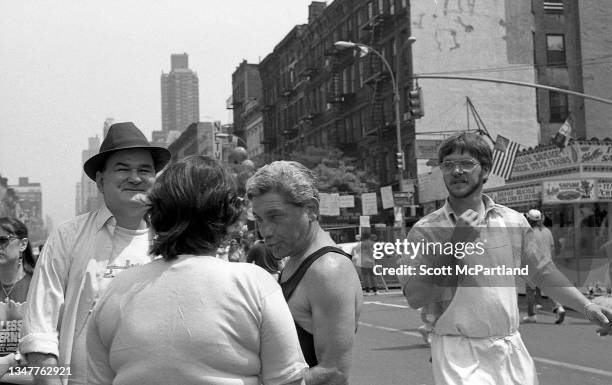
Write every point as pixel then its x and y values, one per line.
pixel 179 92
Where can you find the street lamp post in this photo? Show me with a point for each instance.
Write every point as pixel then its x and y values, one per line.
pixel 364 50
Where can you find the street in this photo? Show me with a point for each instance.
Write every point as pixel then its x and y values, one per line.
pixel 389 350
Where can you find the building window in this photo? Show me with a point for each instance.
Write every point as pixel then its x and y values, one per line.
pixel 370 10
pixel 553 6
pixel 392 7
pixel 558 107
pixel 555 49
pixel 381 6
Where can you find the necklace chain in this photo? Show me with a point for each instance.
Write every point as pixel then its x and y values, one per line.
pixel 9 292
pixel 12 286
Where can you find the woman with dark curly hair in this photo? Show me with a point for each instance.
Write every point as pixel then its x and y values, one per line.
pixel 16 266
pixel 188 317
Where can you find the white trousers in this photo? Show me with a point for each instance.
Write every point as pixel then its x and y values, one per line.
pixel 459 360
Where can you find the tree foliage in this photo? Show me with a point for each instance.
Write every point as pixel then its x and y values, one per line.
pixel 337 173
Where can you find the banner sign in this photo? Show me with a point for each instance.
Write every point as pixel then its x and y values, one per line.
pixel 517 195
pixel 569 191
pixel 604 190
pixel 534 162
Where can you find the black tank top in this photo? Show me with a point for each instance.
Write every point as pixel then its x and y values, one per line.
pixel 306 339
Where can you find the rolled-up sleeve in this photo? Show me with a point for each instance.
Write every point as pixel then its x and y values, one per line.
pixel 45 300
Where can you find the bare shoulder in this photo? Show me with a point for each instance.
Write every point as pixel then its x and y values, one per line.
pixel 332 271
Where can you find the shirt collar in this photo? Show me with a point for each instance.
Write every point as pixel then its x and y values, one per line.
pixel 104 217
pixel 450 213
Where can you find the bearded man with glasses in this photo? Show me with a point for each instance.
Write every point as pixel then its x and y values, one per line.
pixel 475 338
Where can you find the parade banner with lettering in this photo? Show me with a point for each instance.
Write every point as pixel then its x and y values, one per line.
pixel 553 158
pixel 569 191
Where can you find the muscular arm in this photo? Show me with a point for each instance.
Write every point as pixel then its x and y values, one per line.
pixel 331 286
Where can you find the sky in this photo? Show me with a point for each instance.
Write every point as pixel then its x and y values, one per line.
pixel 68 65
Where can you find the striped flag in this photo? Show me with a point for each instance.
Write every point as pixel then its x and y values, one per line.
pixel 504 153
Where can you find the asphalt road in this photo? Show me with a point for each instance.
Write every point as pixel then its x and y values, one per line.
pixel 390 351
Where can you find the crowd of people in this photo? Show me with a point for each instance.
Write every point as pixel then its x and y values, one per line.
pixel 162 285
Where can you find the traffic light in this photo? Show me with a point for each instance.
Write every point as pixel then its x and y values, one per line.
pixel 415 101
pixel 400 160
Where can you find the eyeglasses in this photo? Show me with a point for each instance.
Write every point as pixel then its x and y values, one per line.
pixel 464 166
pixel 6 239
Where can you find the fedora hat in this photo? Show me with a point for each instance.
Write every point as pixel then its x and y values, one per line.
pixel 124 136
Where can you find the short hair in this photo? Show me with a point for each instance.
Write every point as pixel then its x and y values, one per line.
pixel 469 142
pixel 291 179
pixel 15 227
pixel 192 204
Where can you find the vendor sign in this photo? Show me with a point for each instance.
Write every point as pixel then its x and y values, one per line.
pixel 517 195
pixel 569 191
pixel 604 190
pixel 553 158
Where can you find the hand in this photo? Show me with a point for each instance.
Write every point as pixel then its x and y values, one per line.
pixel 7 362
pixel 600 313
pixel 466 227
pixel 318 375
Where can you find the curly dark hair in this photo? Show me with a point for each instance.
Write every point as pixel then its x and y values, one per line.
pixel 192 204
pixel 16 227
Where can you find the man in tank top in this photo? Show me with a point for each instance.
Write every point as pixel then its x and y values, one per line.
pixel 319 281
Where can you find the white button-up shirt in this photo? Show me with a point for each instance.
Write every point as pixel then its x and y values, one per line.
pixel 65 286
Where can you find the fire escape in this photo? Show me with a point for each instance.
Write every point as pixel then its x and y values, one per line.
pixel 377 78
pixel 339 98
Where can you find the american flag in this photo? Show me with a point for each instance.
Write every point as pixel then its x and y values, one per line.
pixel 504 153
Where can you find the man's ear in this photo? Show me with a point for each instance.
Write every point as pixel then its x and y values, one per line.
pixel 312 208
pixel 485 173
pixel 100 181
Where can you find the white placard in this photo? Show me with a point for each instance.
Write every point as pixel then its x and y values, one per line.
pixel 346 201
pixel 368 204
pixel 328 204
pixel 364 221
pixel 386 193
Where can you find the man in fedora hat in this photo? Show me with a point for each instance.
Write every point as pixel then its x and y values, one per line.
pixel 82 255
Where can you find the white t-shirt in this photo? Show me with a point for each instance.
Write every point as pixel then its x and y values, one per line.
pixel 128 246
